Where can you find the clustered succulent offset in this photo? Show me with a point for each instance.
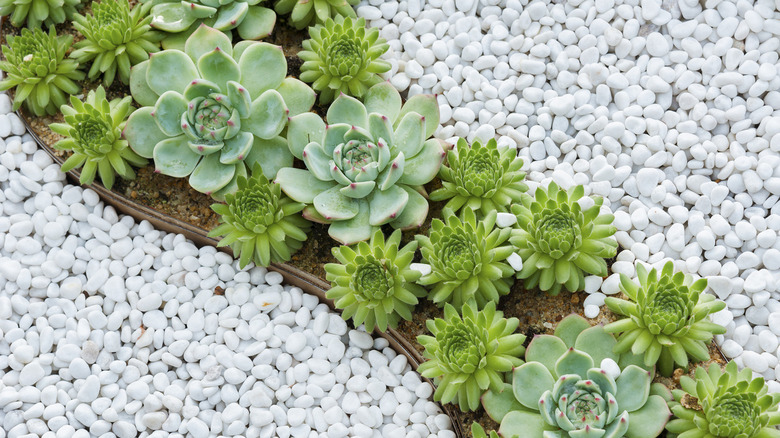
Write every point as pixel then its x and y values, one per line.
pixel 667 317
pixel 564 391
pixel 559 241
pixel 469 354
pixel 373 283
pixel 115 38
pixel 342 56
pixel 478 432
pixel 37 12
pixel 35 65
pixel 259 223
pixel 467 259
pixel 305 12
pixel 214 110
pixel 481 177
pixel 93 132
pixel 366 167
pixel 731 405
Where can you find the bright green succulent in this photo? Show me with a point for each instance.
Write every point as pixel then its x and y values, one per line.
pixel 728 404
pixel 304 13
pixel 478 432
pixel 182 18
pixel 559 242
pixel 259 223
pixel 36 13
pixel 342 56
pixel 115 38
pixel 215 110
pixel 469 354
pixel 467 259
pixel 93 132
pixel 35 64
pixel 571 386
pixel 667 317
pixel 481 178
pixel 365 168
pixel 373 283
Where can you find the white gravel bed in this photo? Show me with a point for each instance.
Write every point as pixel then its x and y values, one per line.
pixel 669 110
pixel 112 328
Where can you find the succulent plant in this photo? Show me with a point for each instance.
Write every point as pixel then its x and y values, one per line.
pixel 469 354
pixel 259 223
pixel 467 259
pixel 251 20
pixel 727 404
pixel 571 386
pixel 365 168
pixel 342 56
pixel 667 317
pixel 214 111
pixel 482 178
pixel 38 12
pixel 478 432
pixel 93 131
pixel 35 65
pixel 559 242
pixel 115 38
pixel 373 283
pixel 305 12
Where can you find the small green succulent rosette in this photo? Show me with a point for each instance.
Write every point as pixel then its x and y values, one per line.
pixel 93 132
pixel 304 13
pixel 666 317
pixel 481 177
pixel 467 259
pixel 342 56
pixel 38 13
pixel 259 223
pixel 470 353
pixel 35 64
pixel 559 241
pixel 731 404
pixel 214 111
pixel 478 432
pixel 572 385
pixel 115 39
pixel 181 18
pixel 373 283
pixel 365 168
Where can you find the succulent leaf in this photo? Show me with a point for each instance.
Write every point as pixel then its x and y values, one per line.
pixel 38 13
pixel 304 13
pixel 175 16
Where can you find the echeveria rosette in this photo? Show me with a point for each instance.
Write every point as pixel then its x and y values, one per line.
pixel 36 13
pixel 373 283
pixel 467 259
pixel 259 223
pixel 365 168
pixel 562 391
pixel 559 242
pixel 93 132
pixel 732 404
pixel 481 177
pixel 214 111
pixel 470 353
pixel 35 64
pixel 304 13
pixel 115 39
pixel 667 317
pixel 342 56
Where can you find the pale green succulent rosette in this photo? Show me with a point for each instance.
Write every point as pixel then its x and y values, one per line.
pixel 342 56
pixel 560 242
pixel 38 13
pixel 93 132
pixel 561 391
pixel 467 259
pixel 481 177
pixel 304 13
pixel 365 168
pixel 470 353
pixel 214 111
pixel 667 317
pixel 115 39
pixel 732 404
pixel 373 283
